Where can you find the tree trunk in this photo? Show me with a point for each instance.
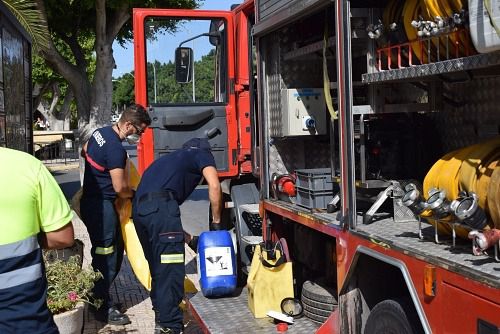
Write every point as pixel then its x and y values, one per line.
pixel 93 100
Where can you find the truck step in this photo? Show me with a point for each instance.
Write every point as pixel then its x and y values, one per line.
pixel 251 239
pixel 250 208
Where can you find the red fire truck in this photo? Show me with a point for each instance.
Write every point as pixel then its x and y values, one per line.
pixel 331 124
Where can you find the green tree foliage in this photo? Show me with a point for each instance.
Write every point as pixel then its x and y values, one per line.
pixel 167 89
pixel 53 90
pixel 123 91
pixel 73 22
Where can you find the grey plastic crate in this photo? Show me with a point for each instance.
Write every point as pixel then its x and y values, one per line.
pixel 317 179
pixel 313 199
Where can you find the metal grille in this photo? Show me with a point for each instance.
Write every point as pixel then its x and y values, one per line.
pixel 57 152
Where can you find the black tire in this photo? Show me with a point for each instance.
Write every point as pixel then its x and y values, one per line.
pixel 319 292
pixel 316 311
pixel 319 305
pixel 388 317
pixel 315 317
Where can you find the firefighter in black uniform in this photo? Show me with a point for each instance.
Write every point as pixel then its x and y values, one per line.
pixel 163 187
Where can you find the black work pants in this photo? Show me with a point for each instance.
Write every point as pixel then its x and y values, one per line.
pixel 159 228
pixel 103 225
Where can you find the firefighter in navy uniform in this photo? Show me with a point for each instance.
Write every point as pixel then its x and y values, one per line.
pixel 106 178
pixel 34 214
pixel 163 187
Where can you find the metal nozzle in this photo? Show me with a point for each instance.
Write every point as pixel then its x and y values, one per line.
pixel 438 203
pixel 467 210
pixel 413 199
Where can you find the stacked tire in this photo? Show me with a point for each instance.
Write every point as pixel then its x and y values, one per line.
pixel 318 300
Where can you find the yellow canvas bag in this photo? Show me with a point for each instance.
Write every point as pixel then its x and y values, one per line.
pixel 269 282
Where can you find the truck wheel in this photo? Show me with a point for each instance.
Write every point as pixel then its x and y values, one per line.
pixel 388 317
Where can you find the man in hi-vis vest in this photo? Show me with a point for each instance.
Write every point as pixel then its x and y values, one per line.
pixel 34 214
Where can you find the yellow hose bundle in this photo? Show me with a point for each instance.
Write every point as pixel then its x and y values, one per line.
pixel 471 169
pixel 480 155
pixel 411 11
pixel 431 180
pixel 494 197
pixel 483 183
pixel 429 10
pixel 449 174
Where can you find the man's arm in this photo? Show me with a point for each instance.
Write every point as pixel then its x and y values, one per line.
pixel 214 192
pixel 61 238
pixel 119 178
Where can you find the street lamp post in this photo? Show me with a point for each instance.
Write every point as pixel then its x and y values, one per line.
pixel 154 79
pixel 194 85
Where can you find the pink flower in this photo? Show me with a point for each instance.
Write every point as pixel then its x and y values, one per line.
pixel 72 296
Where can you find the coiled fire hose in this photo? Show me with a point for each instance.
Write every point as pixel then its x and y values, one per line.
pixel 425 18
pixel 465 176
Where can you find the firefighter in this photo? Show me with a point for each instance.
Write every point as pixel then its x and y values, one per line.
pixel 105 178
pixel 163 187
pixel 31 205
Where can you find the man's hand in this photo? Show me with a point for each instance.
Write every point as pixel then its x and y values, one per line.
pixel 214 192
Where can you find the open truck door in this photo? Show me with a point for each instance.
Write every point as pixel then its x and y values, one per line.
pixel 184 75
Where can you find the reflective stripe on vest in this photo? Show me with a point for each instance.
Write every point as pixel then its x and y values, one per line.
pixel 93 163
pixel 22 275
pixel 18 248
pixel 172 258
pixel 104 250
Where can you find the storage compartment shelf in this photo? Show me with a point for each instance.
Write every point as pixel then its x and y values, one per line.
pixel 442 67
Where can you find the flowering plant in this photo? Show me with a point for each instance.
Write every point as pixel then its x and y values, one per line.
pixel 68 283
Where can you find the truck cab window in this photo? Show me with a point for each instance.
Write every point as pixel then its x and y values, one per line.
pixel 202 79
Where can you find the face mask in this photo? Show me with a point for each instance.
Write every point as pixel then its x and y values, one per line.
pixel 133 138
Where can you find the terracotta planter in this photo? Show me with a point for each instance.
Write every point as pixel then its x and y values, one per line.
pixel 70 322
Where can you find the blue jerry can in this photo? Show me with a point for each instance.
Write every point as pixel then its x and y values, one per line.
pixel 216 264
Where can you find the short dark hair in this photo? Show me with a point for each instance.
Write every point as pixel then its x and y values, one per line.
pixel 136 114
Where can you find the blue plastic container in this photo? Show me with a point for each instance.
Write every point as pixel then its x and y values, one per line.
pixel 216 264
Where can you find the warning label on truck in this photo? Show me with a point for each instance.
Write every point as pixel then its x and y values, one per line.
pixel 218 261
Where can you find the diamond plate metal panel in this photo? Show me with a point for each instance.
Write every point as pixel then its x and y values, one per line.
pixel 447 66
pixel 458 259
pixel 290 154
pixel 272 82
pixel 232 315
pixel 476 118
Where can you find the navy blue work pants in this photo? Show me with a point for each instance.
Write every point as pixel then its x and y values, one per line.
pixel 159 228
pixel 103 226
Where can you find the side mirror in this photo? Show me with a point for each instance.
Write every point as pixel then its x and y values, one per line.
pixel 214 34
pixel 183 64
